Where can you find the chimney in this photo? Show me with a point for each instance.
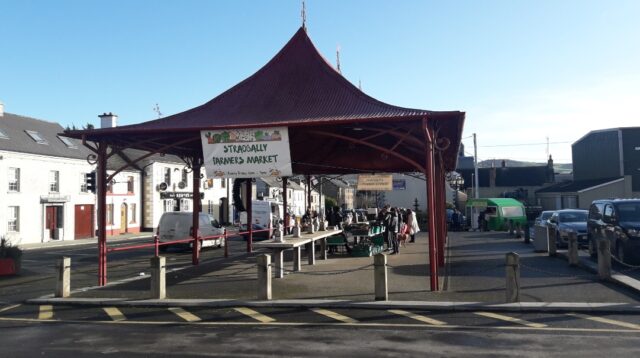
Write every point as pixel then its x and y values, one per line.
pixel 108 120
pixel 1 109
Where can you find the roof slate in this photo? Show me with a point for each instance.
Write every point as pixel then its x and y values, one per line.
pixel 14 126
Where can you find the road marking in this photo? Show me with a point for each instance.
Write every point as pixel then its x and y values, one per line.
pixel 255 315
pixel 187 316
pixel 418 317
pixel 4 309
pixel 511 319
pixel 114 313
pixel 334 315
pixel 46 312
pixel 316 324
pixel 605 320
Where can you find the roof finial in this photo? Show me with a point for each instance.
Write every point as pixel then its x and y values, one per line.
pixel 359 84
pixel 157 110
pixel 304 16
pixel 338 58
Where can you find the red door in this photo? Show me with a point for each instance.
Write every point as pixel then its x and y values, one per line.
pixel 84 221
pixel 51 221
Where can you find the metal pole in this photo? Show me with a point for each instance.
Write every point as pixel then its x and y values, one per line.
pixel 440 212
pixel 249 215
pixel 195 252
pixel 431 207
pixel 475 166
pixel 284 204
pixel 101 184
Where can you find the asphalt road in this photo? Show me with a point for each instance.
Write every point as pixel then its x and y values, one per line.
pixel 299 332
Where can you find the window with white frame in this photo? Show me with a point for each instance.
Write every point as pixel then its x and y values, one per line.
pixel 185 177
pixel 168 205
pixel 14 179
pixel 185 204
pixel 37 137
pixel 13 219
pixel 83 183
pixel 167 176
pixel 130 185
pixel 54 181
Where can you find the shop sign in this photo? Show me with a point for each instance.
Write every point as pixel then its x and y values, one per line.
pixel 178 195
pixel 247 153
pixel 375 182
pixel 399 184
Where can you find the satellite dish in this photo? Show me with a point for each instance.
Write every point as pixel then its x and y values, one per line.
pixel 162 187
pixel 182 185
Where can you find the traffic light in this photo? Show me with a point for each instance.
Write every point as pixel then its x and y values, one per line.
pixel 90 181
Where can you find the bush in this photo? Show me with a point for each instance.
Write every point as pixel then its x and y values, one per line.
pixel 9 251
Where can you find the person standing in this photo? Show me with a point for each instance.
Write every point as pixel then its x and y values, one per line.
pixel 412 223
pixel 394 231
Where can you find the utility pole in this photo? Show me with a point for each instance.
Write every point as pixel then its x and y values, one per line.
pixel 475 166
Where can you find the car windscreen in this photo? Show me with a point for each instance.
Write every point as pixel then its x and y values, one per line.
pixel 573 217
pixel 628 211
pixel 546 216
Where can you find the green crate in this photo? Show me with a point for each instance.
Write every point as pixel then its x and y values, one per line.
pixel 361 251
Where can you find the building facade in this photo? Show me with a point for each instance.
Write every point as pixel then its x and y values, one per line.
pixel 43 194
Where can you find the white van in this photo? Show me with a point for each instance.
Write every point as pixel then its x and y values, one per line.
pixel 176 225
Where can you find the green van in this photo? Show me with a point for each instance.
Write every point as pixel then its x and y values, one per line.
pixel 498 212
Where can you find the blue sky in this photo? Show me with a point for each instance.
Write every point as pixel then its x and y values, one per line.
pixel 522 70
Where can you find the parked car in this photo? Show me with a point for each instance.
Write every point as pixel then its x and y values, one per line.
pixel 566 221
pixel 619 221
pixel 542 220
pixel 176 225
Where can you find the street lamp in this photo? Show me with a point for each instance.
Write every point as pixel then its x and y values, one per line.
pixel 456 181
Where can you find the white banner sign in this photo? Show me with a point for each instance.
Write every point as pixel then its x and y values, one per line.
pixel 247 153
pixel 381 182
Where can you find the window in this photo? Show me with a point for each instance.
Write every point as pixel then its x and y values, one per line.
pixel 167 176
pixel 129 184
pixel 54 181
pixel 14 179
pixel 210 207
pixel 109 214
pixel 132 214
pixel 37 137
pixel 13 219
pixel 3 135
pixel 168 205
pixel 223 183
pixel 110 186
pixel 184 177
pixel 68 142
pixel 512 211
pixel 83 183
pixel 185 204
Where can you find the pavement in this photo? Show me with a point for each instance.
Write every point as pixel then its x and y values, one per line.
pixel 89 241
pixel 473 279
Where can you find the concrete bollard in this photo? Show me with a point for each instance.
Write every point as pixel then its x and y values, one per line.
pixel 573 249
pixel 551 235
pixel 604 259
pixel 63 285
pixel 158 278
pixel 264 277
pixel 380 277
pixel 513 277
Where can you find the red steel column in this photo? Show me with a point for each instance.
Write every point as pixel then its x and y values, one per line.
pixel 101 183
pixel 284 204
pixel 195 252
pixel 441 210
pixel 249 215
pixel 431 205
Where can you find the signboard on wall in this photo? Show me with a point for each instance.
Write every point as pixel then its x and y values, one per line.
pixel 399 184
pixel 375 182
pixel 247 153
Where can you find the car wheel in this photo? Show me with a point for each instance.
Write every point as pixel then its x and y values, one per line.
pixel 620 252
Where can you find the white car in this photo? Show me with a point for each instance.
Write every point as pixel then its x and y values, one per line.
pixel 177 225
